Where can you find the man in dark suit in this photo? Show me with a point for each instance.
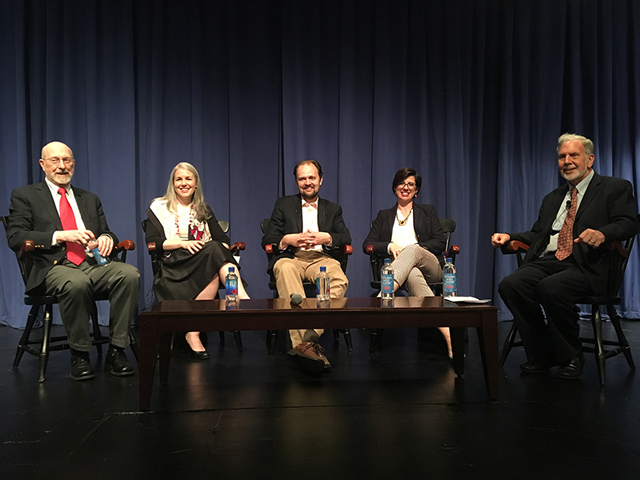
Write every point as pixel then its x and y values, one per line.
pixel 60 267
pixel 568 258
pixel 308 233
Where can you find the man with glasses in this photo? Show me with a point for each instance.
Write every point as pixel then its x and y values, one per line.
pixel 62 221
pixel 308 233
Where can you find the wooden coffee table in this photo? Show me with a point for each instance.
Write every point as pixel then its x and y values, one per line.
pixel 165 318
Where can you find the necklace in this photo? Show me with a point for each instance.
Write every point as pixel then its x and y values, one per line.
pixel 402 223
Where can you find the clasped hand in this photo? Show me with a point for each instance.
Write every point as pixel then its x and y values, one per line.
pixel 306 240
pixel 83 237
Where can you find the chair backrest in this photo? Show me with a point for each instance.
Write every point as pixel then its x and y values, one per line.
pixel 448 226
pixel 24 261
pixel 619 257
pixel 264 224
pixel 224 226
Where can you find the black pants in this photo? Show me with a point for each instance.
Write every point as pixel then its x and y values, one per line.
pixel 553 285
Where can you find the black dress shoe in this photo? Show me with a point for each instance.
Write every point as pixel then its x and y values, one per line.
pixel 117 363
pixel 81 368
pixel 204 355
pixel 535 366
pixel 572 369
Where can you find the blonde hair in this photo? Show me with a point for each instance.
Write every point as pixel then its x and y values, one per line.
pixel 200 207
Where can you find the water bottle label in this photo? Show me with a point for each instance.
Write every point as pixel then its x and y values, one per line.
pixel 100 260
pixel 387 283
pixel 450 284
pixel 231 286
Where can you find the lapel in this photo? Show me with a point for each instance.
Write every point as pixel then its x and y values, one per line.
pixel 82 206
pixel 391 216
pixel 297 212
pixel 590 194
pixel 322 216
pixel 44 195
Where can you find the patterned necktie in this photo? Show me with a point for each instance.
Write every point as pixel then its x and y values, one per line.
pixel 565 237
pixel 75 253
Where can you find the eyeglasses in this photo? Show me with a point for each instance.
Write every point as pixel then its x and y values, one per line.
pixel 406 184
pixel 67 161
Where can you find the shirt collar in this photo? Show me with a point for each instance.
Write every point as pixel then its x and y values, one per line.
pixel 584 184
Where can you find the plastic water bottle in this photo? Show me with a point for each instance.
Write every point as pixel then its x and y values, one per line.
pixel 93 248
pixel 386 280
pixel 323 288
pixel 450 287
pixel 231 285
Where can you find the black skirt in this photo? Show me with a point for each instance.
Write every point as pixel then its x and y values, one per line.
pixel 184 275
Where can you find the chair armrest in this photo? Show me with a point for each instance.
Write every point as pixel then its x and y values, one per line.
pixel 126 245
pixel 625 252
pixel 237 246
pixel 348 249
pixel 269 248
pixel 370 250
pixel 151 246
pixel 27 246
pixel 514 246
pixel 453 251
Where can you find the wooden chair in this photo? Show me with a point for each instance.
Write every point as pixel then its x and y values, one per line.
pixel 46 343
pixel 450 251
pixel 619 257
pixel 156 262
pixel 309 291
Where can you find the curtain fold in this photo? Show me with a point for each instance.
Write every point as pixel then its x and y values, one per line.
pixel 473 94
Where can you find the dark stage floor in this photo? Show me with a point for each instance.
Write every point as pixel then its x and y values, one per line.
pixel 400 413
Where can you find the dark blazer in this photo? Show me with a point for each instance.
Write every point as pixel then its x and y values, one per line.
pixel 287 218
pixel 426 224
pixel 33 216
pixel 608 205
pixel 155 232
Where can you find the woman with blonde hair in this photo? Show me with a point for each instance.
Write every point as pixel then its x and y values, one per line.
pixel 193 247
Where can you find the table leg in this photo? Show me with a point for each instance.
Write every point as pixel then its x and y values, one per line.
pixel 164 354
pixel 488 339
pixel 146 367
pixel 457 345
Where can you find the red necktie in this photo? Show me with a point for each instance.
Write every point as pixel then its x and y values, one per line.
pixel 75 253
pixel 565 237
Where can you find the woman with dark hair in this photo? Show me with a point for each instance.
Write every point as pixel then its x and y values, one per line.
pixel 192 245
pixel 411 235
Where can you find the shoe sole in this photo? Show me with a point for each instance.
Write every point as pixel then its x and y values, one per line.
pixel 84 377
pixel 117 374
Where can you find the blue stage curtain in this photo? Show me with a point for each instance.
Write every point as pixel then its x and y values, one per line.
pixel 473 94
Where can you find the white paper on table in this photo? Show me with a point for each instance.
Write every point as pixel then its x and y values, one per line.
pixel 466 300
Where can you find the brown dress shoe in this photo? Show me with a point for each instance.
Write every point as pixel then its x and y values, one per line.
pixel 310 357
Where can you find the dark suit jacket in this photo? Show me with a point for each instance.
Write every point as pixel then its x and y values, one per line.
pixel 33 216
pixel 287 218
pixel 425 222
pixel 608 205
